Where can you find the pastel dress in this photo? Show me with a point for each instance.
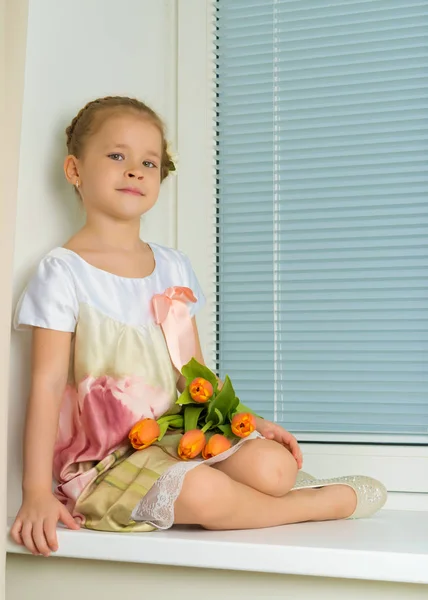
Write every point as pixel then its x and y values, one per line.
pixel 130 338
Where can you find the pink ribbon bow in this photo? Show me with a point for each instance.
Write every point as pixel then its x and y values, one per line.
pixel 172 314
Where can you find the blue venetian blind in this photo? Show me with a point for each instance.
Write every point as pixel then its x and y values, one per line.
pixel 322 213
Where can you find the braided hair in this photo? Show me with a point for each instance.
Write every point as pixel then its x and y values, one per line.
pixel 89 117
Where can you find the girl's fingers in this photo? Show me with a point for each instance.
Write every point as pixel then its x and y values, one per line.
pixel 66 518
pixel 292 444
pixel 40 539
pixel 49 527
pixel 295 450
pixel 15 532
pixel 27 537
pixel 269 434
pixel 300 461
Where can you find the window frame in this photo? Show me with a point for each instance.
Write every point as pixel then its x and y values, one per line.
pixel 403 468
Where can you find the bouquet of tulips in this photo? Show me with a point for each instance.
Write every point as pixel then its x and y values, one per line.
pixel 211 419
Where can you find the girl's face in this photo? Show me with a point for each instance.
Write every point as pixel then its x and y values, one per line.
pixel 120 170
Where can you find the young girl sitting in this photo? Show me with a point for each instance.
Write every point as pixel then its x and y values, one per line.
pixel 104 357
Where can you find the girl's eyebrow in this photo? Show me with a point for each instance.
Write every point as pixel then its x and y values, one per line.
pixel 148 153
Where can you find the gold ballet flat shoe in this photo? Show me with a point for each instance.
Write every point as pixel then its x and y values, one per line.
pixel 371 494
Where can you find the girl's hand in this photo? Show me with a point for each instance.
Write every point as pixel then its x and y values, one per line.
pixel 273 431
pixel 35 523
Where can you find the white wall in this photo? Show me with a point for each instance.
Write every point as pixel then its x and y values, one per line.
pixel 76 52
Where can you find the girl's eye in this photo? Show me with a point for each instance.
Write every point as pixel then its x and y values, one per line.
pixel 116 156
pixel 149 164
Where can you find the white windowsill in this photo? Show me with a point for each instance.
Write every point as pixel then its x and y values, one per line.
pixel 392 546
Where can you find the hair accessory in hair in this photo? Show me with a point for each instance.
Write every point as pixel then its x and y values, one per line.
pixel 172 165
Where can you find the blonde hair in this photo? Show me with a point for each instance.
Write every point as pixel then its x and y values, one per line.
pixel 89 119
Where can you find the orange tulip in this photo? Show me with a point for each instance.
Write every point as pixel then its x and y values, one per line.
pixel 243 424
pixel 144 433
pixel 201 390
pixel 216 445
pixel 191 444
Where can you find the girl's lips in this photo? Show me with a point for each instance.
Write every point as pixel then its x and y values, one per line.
pixel 133 191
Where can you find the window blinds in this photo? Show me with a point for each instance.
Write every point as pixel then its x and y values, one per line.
pixel 322 213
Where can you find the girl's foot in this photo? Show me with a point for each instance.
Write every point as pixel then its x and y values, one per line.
pixel 369 494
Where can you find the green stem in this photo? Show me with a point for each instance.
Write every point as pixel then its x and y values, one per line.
pixel 206 427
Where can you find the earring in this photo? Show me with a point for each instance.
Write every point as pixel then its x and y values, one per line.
pixel 77 184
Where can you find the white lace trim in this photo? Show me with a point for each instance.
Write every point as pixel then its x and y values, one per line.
pixel 157 506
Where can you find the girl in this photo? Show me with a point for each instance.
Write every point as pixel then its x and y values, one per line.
pixel 105 356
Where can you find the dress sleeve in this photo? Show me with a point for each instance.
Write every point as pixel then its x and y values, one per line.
pixel 191 281
pixel 49 300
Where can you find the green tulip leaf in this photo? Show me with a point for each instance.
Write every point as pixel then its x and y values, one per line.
pixel 225 402
pixel 177 418
pixel 169 422
pixel 191 417
pixel 226 430
pixel 177 423
pixel 217 418
pixel 163 429
pixel 185 398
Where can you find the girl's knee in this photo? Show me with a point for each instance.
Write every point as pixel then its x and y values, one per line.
pixel 275 469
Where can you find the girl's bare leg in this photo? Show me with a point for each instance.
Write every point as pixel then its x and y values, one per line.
pixel 263 465
pixel 213 500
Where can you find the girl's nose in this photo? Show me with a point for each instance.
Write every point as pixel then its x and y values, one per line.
pixel 134 173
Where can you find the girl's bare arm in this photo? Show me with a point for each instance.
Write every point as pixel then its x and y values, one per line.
pixel 49 371
pixel 35 524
